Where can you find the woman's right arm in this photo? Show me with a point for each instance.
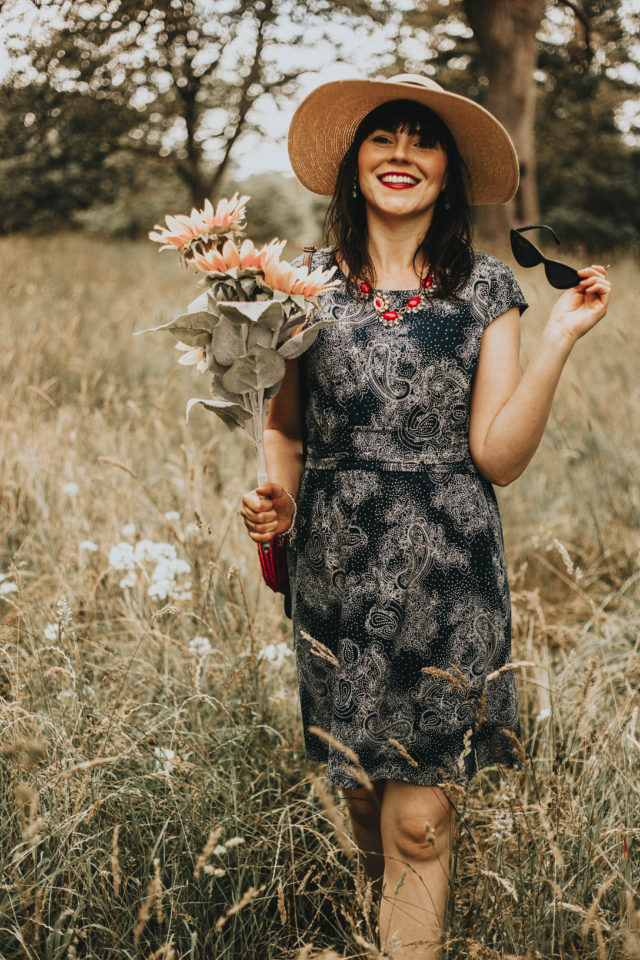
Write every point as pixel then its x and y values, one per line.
pixel 268 510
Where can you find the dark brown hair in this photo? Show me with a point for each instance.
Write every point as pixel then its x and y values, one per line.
pixel 446 246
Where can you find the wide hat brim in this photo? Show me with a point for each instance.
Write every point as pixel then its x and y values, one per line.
pixel 324 125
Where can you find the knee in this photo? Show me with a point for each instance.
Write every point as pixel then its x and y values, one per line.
pixel 416 834
pixel 364 812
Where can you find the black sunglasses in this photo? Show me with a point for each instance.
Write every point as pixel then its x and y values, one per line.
pixel 559 275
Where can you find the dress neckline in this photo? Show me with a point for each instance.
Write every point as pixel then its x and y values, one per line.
pixel 340 273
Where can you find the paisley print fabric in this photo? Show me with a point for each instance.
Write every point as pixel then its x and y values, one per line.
pixel 398 563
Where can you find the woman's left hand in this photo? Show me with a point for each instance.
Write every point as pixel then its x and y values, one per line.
pixel 581 307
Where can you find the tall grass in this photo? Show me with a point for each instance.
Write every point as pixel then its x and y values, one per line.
pixel 155 800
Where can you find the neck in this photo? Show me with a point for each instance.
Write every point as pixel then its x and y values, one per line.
pixel 392 243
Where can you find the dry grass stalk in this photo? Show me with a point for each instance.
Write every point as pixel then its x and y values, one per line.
pixel 121 466
pixel 154 894
pixel 168 608
pixel 246 898
pixel 555 849
pixel 37 912
pixel 445 675
pixel 320 650
pixel 335 818
pixel 363 779
pixel 336 744
pixel 165 952
pixel 29 752
pixel 517 745
pixel 371 952
pixel 403 751
pixel 590 919
pixel 509 887
pixel 282 910
pixel 27 804
pixel 206 851
pixel 86 765
pixel 510 666
pixel 632 933
pixel 115 859
pixel 305 880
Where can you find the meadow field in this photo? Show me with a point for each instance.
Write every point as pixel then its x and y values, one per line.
pixel 155 799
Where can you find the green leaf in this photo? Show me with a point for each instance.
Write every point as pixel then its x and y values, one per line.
pixel 260 368
pixel 231 413
pixel 200 303
pixel 192 328
pixel 268 313
pixel 229 341
pixel 298 344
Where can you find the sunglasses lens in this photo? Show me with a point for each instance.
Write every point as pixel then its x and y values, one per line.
pixel 524 251
pixel 560 275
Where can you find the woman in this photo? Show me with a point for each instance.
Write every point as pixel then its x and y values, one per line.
pixel 413 408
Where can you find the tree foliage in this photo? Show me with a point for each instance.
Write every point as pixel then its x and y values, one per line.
pixel 173 80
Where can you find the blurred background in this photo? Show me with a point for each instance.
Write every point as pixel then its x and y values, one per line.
pixel 156 801
pixel 115 112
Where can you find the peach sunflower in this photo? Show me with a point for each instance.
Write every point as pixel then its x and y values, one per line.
pixel 181 230
pixel 280 275
pixel 221 261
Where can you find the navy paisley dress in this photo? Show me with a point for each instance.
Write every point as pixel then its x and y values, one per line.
pixel 397 562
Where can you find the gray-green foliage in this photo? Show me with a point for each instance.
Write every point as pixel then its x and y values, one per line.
pixel 247 341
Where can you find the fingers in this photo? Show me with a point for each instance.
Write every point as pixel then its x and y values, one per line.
pixel 594 269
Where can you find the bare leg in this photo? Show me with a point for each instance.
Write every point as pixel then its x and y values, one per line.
pixel 416 876
pixel 364 812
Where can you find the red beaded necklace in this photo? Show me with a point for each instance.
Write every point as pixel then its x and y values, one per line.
pixel 381 305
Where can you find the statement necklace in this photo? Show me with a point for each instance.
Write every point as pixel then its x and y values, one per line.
pixel 382 307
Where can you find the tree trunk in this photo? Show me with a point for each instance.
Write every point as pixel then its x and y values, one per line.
pixel 506 34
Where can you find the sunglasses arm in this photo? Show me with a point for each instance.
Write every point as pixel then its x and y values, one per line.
pixel 538 226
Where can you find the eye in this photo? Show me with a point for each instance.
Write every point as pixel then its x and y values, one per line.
pixel 381 138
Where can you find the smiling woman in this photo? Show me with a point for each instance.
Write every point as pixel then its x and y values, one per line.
pixel 412 407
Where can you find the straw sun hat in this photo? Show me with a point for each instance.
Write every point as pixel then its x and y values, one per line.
pixel 323 127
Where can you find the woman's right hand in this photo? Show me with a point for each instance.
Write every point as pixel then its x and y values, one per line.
pixel 266 511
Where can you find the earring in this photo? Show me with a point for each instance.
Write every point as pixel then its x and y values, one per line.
pixel 447 202
pixel 354 191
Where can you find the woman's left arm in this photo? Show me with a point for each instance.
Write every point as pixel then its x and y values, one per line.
pixel 509 413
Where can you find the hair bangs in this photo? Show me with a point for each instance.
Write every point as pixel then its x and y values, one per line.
pixel 406 115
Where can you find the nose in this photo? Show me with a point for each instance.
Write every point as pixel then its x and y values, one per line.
pixel 400 148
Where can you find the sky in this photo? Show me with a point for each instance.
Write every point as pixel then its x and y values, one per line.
pixel 254 153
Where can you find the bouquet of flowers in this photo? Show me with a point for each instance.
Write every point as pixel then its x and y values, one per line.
pixel 255 314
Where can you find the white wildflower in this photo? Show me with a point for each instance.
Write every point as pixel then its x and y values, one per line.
pixel 214 871
pixel 276 653
pixel 200 646
pixel 129 580
pixel 121 557
pixel 88 545
pixel 234 842
pixel 172 515
pixel 71 489
pixel 543 714
pixel 191 529
pixel 65 616
pixel 128 530
pixel 165 759
pixel 51 631
pixel 219 850
pixel 6 586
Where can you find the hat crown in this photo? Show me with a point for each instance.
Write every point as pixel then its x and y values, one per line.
pixel 415 80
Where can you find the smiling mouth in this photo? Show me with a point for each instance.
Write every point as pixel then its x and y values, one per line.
pixel 398 180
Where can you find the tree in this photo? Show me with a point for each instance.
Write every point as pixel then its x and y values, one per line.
pixel 516 57
pixel 183 76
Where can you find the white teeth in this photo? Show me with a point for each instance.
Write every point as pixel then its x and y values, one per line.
pixel 397 178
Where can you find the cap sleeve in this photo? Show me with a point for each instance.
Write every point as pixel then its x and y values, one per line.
pixel 504 293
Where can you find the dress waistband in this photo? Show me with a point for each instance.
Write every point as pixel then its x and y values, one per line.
pixel 347 459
